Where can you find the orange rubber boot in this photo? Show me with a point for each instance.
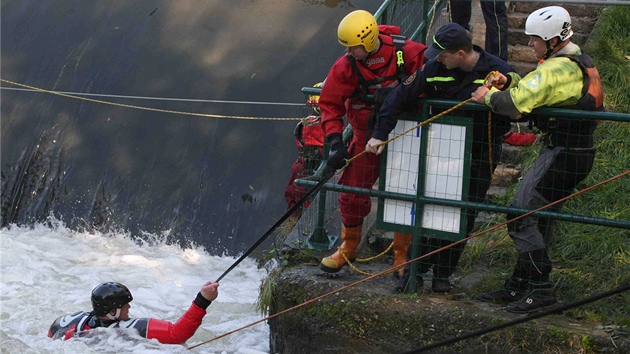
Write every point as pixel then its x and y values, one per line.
pixel 351 237
pixel 401 244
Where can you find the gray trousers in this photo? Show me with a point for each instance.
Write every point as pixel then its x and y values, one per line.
pixel 554 175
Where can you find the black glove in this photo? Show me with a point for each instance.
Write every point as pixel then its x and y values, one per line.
pixel 380 95
pixel 338 151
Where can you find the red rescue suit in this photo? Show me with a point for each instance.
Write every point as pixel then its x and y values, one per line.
pixel 309 139
pixel 165 332
pixel 336 100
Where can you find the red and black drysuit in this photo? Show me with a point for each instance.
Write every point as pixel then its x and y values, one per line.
pixel 341 95
pixel 165 332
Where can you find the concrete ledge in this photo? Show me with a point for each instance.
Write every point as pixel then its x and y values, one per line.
pixel 369 318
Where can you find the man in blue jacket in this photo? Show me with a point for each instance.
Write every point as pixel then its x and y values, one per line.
pixel 456 70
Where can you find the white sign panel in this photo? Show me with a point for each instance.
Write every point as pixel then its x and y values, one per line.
pixel 444 177
pixel 444 174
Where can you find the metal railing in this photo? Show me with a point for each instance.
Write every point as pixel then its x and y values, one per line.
pixel 321 239
pixel 418 21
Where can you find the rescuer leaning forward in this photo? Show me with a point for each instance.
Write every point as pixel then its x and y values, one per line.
pixel 376 57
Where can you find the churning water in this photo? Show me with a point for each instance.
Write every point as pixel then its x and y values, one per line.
pixel 49 271
pixel 216 183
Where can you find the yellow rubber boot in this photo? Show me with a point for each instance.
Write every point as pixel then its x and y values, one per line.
pixel 351 237
pixel 401 244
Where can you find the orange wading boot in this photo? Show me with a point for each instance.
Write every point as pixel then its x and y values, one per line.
pixel 401 244
pixel 351 237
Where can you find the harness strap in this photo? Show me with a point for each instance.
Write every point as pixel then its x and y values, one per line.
pixel 592 94
pixel 79 327
pixel 363 85
pixel 399 42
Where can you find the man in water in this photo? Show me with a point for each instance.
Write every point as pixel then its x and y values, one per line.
pixel 111 304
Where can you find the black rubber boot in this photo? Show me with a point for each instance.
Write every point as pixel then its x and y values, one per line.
pixel 402 285
pixel 513 290
pixel 539 296
pixel 441 285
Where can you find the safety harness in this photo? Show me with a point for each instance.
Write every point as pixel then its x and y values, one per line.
pixel 399 42
pixel 576 132
pixel 592 92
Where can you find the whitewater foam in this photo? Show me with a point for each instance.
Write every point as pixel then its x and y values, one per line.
pixel 49 271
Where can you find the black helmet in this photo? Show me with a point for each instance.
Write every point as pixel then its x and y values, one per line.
pixel 109 296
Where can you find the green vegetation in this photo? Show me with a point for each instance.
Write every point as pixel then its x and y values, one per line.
pixel 267 288
pixel 587 259
pixel 608 47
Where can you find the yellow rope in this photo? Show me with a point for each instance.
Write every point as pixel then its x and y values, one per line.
pixel 391 245
pixel 253 118
pixel 207 115
pixel 412 129
pixel 426 39
pixel 384 143
pixel 361 260
pixel 385 272
pixel 493 73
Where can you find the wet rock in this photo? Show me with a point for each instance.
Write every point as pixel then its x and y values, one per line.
pixel 349 314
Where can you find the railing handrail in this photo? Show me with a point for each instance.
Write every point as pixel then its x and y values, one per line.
pixel 495 208
pixel 544 111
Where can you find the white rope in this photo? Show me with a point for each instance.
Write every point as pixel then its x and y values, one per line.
pixel 157 98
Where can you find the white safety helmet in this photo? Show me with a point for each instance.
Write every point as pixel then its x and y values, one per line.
pixel 549 22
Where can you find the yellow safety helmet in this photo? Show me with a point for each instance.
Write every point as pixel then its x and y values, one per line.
pixel 313 100
pixel 358 28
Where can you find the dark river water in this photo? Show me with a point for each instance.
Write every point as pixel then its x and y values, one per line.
pixel 215 181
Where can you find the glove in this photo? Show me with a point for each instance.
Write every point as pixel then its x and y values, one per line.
pixel 380 95
pixel 338 151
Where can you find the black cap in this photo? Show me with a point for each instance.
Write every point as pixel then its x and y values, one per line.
pixel 449 36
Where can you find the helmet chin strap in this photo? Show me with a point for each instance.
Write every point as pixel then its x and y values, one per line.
pixel 549 49
pixel 114 317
